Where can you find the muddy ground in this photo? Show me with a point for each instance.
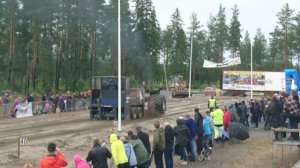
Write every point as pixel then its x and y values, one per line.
pixel 73 132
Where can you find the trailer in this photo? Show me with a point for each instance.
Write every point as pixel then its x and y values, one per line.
pixel 135 102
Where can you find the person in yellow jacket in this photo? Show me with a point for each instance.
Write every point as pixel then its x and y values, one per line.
pixel 212 103
pixel 217 116
pixel 118 152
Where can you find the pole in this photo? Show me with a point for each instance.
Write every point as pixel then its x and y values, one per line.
pixel 251 71
pixel 119 66
pixel 191 60
pixel 18 144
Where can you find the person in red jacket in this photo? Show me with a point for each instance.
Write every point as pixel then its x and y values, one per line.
pixel 55 158
pixel 226 119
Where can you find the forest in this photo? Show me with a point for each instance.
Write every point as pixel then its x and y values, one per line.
pixel 58 45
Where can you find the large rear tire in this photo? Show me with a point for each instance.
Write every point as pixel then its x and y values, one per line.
pixel 160 103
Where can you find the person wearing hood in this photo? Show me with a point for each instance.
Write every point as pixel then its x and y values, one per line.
pixel 130 153
pixel 118 152
pixel 55 158
pixel 141 152
pixel 234 116
pixel 169 137
pixel 98 155
pixel 182 135
pixel 158 146
pixel 217 116
pixel 79 163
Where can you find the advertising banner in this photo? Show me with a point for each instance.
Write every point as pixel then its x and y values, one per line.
pixel 226 63
pixel 261 81
pixel 23 110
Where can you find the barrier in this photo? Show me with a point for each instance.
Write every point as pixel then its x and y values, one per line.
pixel 45 107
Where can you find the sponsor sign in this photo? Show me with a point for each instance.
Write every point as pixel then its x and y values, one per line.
pixel 226 63
pixel 261 81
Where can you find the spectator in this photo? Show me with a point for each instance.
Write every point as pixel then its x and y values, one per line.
pixel 158 146
pixel 182 135
pixel 79 163
pixel 226 119
pixel 238 110
pixel 247 114
pixel 5 100
pixel 198 118
pixel 98 155
pixel 256 113
pixel 233 113
pixel 275 110
pixel 169 144
pixel 217 117
pixel 292 112
pixel 191 125
pixel 118 152
pixel 243 113
pixel 129 152
pixel 55 158
pixel 207 138
pixel 30 98
pixel 142 155
pixel 212 103
pixel 144 137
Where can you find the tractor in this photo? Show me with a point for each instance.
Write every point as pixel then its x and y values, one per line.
pixel 135 102
pixel 178 86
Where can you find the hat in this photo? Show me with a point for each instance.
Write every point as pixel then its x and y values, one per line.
pixel 77 158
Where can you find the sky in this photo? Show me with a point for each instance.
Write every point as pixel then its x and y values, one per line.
pixel 254 14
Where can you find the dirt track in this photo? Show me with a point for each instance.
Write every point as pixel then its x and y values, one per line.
pixel 73 133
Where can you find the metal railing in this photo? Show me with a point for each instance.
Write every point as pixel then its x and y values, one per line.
pixel 45 107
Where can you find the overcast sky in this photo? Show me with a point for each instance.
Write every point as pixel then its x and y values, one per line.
pixel 254 14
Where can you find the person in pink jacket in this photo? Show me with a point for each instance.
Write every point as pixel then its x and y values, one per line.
pixel 79 162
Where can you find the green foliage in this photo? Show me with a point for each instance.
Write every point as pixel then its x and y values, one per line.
pixel 58 45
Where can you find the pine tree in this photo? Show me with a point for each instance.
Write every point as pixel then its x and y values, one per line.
pixel 285 17
pixel 245 52
pixel 221 32
pixel 234 32
pixel 147 33
pixel 178 56
pixel 259 51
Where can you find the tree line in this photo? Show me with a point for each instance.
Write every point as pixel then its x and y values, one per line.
pixel 59 44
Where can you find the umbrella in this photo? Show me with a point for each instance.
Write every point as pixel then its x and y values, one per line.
pixel 238 131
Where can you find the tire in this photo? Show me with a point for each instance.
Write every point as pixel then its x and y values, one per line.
pixel 160 103
pixel 140 112
pixel 133 113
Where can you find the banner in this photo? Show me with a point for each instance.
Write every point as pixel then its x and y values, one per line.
pixel 23 110
pixel 226 63
pixel 261 81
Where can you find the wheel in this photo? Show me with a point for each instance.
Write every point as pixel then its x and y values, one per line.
pixel 140 112
pixel 133 113
pixel 160 103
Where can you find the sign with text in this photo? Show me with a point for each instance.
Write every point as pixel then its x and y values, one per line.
pixel 261 81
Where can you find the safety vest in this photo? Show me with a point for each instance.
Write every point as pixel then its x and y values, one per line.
pixel 212 103
pixel 217 116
